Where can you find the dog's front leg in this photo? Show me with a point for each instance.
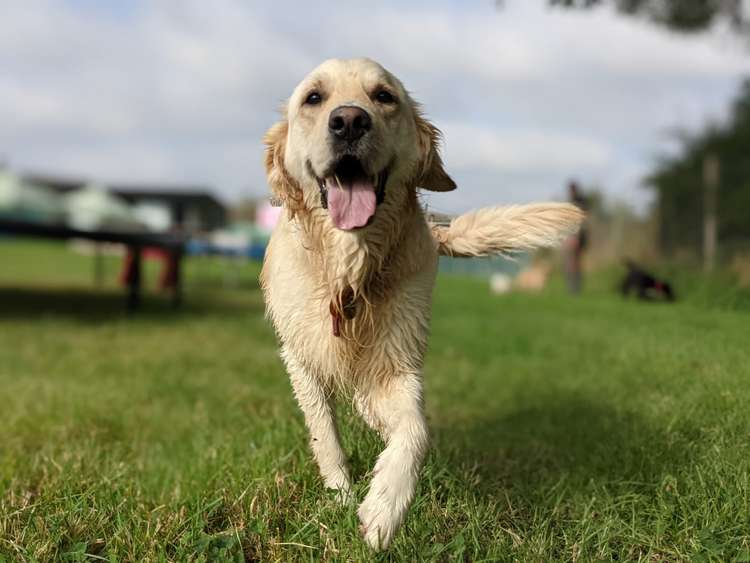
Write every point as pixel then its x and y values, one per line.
pixel 395 409
pixel 320 420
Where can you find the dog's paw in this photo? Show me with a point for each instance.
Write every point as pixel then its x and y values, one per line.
pixel 378 522
pixel 341 484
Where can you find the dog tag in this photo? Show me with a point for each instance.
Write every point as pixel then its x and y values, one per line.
pixel 336 320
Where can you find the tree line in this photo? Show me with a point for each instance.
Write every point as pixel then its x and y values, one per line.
pixel 680 184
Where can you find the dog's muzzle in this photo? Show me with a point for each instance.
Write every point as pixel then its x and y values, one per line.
pixel 350 194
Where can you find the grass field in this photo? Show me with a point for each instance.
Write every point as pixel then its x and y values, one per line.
pixel 563 429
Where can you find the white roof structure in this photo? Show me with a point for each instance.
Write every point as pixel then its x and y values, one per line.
pixel 24 201
pixel 94 208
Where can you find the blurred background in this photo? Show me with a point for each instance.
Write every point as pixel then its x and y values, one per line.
pixel 587 403
pixel 148 116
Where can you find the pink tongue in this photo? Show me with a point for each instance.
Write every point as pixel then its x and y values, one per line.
pixel 352 204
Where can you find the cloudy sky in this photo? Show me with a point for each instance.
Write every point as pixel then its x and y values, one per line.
pixel 182 91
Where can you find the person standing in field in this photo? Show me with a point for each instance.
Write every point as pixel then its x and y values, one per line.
pixel 576 244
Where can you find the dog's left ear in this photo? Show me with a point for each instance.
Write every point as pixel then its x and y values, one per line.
pixel 431 174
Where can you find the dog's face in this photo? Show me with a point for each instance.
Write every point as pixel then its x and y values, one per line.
pixel 352 141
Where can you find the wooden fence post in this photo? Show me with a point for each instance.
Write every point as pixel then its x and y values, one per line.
pixel 710 223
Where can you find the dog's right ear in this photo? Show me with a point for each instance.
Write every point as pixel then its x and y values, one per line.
pixel 284 187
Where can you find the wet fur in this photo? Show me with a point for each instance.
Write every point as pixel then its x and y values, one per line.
pixel 389 267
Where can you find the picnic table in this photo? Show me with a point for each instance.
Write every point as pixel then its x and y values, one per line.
pixel 136 241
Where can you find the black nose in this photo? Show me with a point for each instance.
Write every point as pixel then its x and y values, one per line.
pixel 349 123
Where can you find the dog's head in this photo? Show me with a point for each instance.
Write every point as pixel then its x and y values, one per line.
pixel 352 140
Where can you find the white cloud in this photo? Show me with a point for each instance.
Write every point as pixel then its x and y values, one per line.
pixel 183 90
pixel 476 146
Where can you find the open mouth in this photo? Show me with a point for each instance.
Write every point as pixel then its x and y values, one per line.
pixel 351 195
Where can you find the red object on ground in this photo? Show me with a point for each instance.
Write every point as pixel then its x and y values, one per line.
pixel 168 276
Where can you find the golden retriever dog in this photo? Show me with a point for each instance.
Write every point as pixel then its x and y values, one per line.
pixel 350 267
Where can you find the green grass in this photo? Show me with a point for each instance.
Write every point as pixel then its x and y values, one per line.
pixel 563 429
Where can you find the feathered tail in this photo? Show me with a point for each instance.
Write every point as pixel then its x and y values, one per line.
pixel 502 230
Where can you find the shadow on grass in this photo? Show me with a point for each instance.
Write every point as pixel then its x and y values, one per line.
pixel 94 305
pixel 566 437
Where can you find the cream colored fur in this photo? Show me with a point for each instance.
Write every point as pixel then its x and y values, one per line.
pixel 502 230
pixel 390 267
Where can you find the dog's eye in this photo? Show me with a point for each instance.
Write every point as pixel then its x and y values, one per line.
pixel 313 99
pixel 385 97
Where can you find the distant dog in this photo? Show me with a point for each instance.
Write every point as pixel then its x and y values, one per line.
pixel 534 278
pixel 645 285
pixel 349 270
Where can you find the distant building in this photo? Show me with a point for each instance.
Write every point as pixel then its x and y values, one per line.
pixel 61 185
pixel 192 208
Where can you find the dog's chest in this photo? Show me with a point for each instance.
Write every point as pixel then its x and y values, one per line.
pixel 386 337
pixel 382 333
